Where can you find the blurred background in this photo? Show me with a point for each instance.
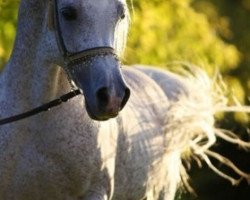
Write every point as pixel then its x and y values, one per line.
pixel 209 33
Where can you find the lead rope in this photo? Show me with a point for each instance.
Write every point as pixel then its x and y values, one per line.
pixel 71 83
pixel 42 108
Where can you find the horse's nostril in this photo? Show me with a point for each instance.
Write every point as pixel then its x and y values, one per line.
pixel 103 96
pixel 125 97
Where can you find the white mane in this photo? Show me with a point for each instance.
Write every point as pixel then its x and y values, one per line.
pixel 191 122
pixel 121 33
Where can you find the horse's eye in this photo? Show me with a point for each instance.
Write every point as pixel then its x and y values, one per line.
pixel 69 13
pixel 123 15
pixel 121 11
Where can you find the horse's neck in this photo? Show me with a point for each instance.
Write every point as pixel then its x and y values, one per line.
pixel 29 83
pixel 28 80
pixel 29 27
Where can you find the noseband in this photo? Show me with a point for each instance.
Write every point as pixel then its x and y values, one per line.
pixel 70 59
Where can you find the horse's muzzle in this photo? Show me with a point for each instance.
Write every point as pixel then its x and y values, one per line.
pixel 109 104
pixel 101 81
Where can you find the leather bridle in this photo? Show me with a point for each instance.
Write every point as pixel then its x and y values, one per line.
pixel 70 59
pixel 73 57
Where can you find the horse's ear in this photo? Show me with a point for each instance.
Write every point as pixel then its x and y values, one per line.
pixel 51 17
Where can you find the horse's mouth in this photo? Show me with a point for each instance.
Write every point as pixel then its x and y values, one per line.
pixel 100 116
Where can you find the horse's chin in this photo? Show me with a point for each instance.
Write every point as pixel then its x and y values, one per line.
pixel 99 116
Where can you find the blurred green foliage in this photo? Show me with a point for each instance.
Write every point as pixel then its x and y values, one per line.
pixel 209 33
pixel 193 31
pixel 164 31
pixel 230 20
pixel 8 17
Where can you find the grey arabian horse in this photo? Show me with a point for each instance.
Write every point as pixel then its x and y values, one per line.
pixel 93 147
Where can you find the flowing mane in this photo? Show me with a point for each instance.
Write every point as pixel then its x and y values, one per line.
pixel 121 33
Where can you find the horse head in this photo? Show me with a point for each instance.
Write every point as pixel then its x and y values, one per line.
pixel 88 37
